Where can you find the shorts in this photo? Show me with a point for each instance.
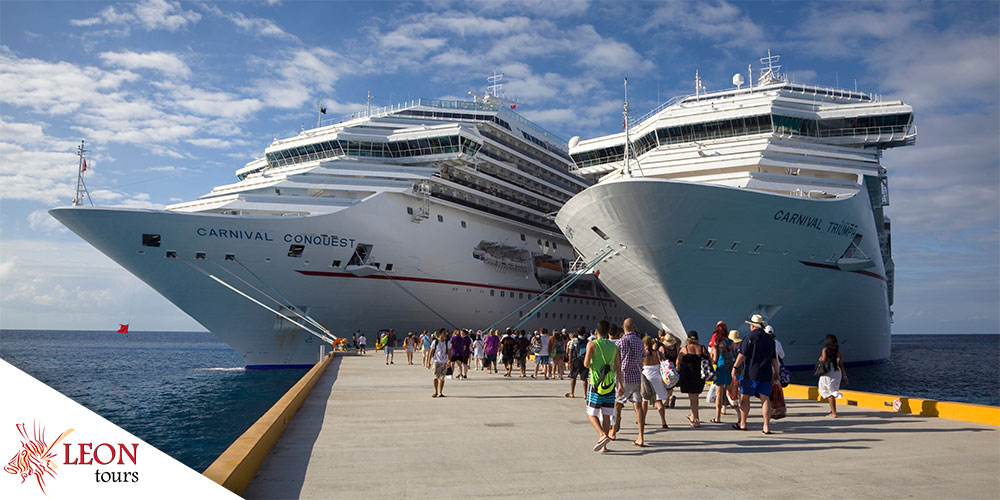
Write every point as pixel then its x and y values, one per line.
pixel 755 388
pixel 460 359
pixel 632 393
pixel 390 350
pixel 578 370
pixel 598 404
pixel 522 361
pixel 559 358
pixel 508 359
pixel 542 360
pixel 439 369
pixel 491 359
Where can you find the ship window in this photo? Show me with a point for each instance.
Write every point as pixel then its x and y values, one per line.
pixel 501 293
pixel 546 243
pixel 599 232
pixel 539 241
pixel 336 263
pixel 230 256
pixel 440 218
pixel 409 210
pixel 388 267
pixel 199 256
pixel 295 250
pixel 708 244
pixel 756 248
pixel 171 254
pixel 679 242
pixel 546 315
pixel 377 265
pixel 150 240
pixel 492 292
pixel 520 295
pixel 554 245
pixel 463 224
pixel 520 314
pixel 522 237
pixel 734 246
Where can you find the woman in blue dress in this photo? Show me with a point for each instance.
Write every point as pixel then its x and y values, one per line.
pixel 723 356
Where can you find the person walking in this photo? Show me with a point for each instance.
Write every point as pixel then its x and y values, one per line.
pixel 689 367
pixel 759 363
pixel 669 351
pixel 508 348
pixel 829 383
pixel 602 357
pixel 577 352
pixel 523 347
pixel 723 357
pixel 459 354
pixel 362 344
pixel 425 347
pixel 439 356
pixel 559 353
pixel 477 350
pixel 631 350
pixel 490 347
pixel 409 344
pixel 544 340
pixel 390 347
pixel 651 372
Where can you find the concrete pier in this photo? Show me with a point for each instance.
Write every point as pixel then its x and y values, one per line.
pixel 369 430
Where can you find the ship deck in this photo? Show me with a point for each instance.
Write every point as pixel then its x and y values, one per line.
pixel 371 430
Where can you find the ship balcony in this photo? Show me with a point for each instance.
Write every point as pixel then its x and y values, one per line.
pixel 888 136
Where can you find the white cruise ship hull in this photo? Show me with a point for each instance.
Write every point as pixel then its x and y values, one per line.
pixel 691 254
pixel 432 260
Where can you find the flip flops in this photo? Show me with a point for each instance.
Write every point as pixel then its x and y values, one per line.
pixel 603 443
pixel 738 428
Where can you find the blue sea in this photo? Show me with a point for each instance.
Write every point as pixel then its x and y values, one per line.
pixel 185 393
pixel 188 395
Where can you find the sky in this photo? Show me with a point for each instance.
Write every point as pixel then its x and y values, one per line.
pixel 173 97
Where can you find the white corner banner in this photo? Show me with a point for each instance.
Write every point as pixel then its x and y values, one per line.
pixel 52 447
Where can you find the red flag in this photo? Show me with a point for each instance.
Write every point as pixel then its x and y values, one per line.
pixel 84 164
pixel 513 106
pixel 623 124
pixel 597 273
pixel 122 328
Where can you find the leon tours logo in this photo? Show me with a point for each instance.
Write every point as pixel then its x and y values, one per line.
pixel 37 459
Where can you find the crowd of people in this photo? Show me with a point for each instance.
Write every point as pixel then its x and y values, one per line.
pixel 617 366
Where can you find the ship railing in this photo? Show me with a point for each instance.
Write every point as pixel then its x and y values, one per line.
pixel 661 107
pixel 889 131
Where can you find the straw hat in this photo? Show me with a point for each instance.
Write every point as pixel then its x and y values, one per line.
pixel 734 335
pixel 670 340
pixel 756 320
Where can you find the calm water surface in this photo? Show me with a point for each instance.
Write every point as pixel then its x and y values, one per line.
pixel 185 393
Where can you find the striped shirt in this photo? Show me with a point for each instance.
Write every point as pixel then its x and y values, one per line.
pixel 632 350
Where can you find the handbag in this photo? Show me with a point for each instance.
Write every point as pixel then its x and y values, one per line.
pixel 778 408
pixel 713 393
pixel 822 368
pixel 707 371
pixel 669 373
pixel 784 376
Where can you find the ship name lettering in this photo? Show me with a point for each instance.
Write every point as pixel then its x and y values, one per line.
pixel 233 234
pixel 327 240
pixel 808 221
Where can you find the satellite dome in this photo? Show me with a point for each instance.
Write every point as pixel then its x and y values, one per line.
pixel 573 141
pixel 738 79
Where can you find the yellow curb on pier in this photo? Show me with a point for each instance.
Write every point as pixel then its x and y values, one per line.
pixel 966 412
pixel 238 465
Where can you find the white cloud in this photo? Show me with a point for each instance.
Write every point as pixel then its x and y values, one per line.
pixel 149 14
pixel 211 142
pixel 166 63
pixel 302 72
pixel 720 23
pixel 40 220
pixel 260 27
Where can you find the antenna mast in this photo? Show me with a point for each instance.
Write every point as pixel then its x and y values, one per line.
pixel 493 89
pixel 81 187
pixel 368 103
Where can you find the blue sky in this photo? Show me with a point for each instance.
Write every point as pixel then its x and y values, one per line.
pixel 173 97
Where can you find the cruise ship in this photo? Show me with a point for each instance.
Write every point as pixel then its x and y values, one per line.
pixel 764 199
pixel 422 215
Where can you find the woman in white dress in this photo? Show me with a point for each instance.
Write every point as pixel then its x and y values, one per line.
pixel 829 384
pixel 477 350
pixel 651 372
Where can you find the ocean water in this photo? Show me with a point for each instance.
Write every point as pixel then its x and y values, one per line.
pixel 964 368
pixel 185 393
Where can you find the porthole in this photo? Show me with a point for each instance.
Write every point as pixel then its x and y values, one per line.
pixel 440 218
pixel 708 244
pixel 679 242
pixel 734 246
pixel 388 267
pixel 409 210
pixel 463 224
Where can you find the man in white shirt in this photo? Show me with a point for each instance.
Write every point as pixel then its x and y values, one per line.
pixel 362 342
pixel 542 358
pixel 439 348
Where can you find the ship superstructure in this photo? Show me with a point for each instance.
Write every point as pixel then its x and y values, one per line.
pixel 426 214
pixel 762 199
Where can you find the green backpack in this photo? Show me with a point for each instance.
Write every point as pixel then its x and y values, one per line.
pixel 604 383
